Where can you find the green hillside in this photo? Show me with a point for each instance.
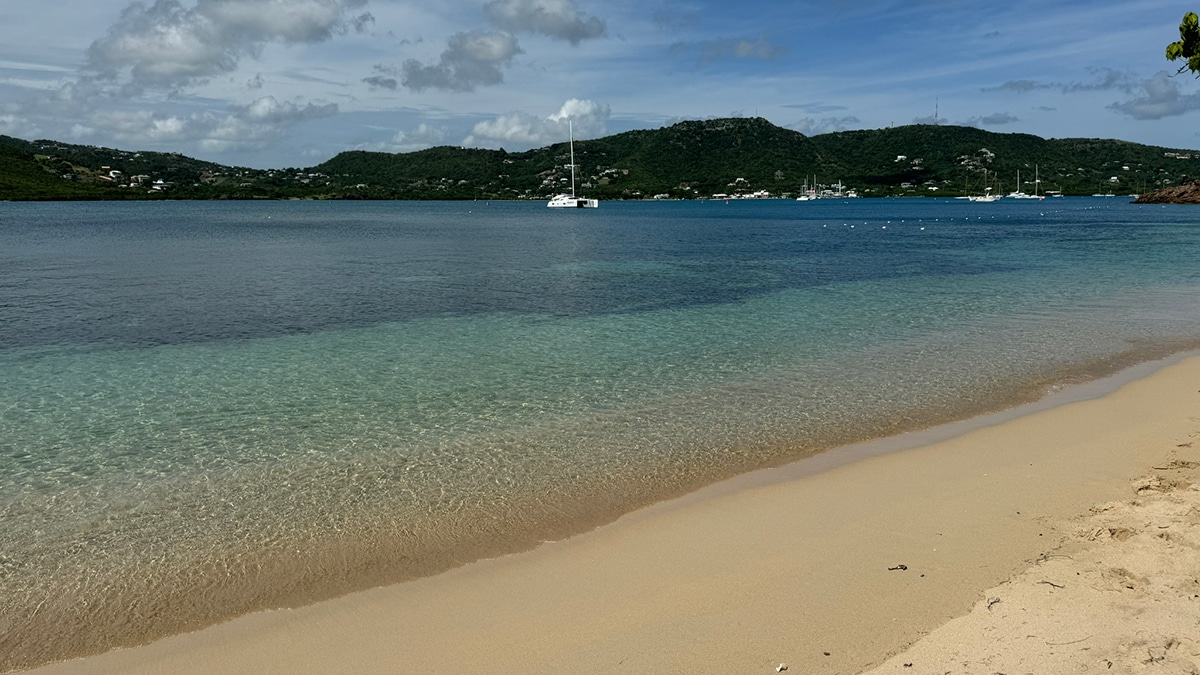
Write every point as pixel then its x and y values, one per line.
pixel 703 158
pixel 24 175
pixel 694 159
pixel 954 158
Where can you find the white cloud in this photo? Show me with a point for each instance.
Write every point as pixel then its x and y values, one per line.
pixel 12 125
pixel 243 126
pixel 1161 97
pixel 144 126
pixel 556 18
pixel 170 45
pixel 80 131
pixel 587 119
pixel 815 127
pixel 424 136
pixel 471 60
pixel 260 121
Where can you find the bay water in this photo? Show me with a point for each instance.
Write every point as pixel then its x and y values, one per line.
pixel 208 408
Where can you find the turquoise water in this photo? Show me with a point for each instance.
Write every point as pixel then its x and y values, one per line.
pixel 208 408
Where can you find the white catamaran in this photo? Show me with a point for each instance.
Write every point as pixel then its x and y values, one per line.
pixel 570 201
pixel 1021 194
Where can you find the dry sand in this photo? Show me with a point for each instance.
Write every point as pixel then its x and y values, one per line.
pixel 1049 533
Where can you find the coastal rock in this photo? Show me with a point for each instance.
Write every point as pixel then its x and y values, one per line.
pixel 1184 193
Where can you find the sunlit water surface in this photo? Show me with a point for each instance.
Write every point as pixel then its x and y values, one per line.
pixel 207 408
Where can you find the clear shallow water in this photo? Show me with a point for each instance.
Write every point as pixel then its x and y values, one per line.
pixel 207 408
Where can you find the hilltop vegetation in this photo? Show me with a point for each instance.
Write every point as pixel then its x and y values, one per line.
pixel 695 159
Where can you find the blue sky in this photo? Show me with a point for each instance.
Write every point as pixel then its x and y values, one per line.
pixel 280 83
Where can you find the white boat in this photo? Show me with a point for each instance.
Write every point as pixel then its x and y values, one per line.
pixel 810 193
pixel 987 195
pixel 565 201
pixel 570 201
pixel 1019 194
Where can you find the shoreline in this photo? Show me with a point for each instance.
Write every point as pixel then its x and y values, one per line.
pixel 829 564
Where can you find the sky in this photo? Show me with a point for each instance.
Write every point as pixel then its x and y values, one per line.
pixel 291 83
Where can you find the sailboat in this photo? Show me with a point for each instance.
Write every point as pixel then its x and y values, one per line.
pixel 1020 194
pixel 809 193
pixel 570 201
pixel 987 195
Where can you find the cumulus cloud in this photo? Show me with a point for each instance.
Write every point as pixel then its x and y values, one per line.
pixel 14 125
pixel 262 120
pixel 1160 97
pixel 558 19
pixel 241 127
pixel 168 44
pixel 993 120
pixel 72 98
pixel 268 111
pixel 143 126
pixel 586 119
pixel 471 60
pixel 815 127
pixel 424 136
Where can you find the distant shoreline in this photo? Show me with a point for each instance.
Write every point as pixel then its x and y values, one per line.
pixel 1132 199
pixel 706 158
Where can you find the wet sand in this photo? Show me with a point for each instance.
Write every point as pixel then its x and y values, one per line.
pixel 880 555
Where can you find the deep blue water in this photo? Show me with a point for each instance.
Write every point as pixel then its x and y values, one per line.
pixel 211 407
pixel 167 273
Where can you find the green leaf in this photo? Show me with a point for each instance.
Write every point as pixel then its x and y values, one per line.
pixel 1188 46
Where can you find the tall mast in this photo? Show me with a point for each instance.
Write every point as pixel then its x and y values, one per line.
pixel 571 135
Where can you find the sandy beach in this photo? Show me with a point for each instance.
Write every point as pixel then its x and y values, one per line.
pixel 1058 537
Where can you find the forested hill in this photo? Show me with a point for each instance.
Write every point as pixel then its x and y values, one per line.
pixel 694 159
pixel 688 160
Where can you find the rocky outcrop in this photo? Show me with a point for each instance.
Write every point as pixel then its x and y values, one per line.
pixel 1184 193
